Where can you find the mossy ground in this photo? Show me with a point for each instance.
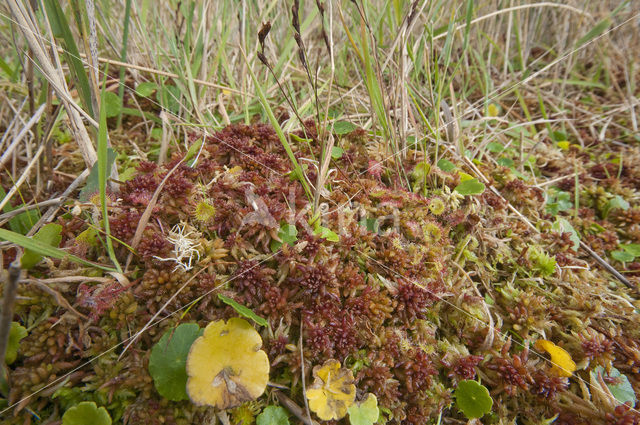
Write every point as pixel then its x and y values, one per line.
pixel 448 287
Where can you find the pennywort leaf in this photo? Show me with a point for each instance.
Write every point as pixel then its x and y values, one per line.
pixel 473 399
pixel 167 363
pixel 16 333
pixel 365 412
pixel 273 415
pixel 470 187
pixel 85 413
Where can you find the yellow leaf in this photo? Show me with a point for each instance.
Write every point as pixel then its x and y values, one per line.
pixel 564 145
pixel 225 366
pixel 332 392
pixel 464 176
pixel 563 364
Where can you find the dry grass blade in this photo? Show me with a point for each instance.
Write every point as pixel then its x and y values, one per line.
pixel 55 76
pixel 35 118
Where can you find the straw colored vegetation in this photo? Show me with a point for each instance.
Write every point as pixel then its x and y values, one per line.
pixel 357 212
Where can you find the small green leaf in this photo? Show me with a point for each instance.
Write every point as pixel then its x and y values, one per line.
pixel 488 299
pixel 193 150
pixel 336 152
pixel 632 249
pixel 622 256
pixel 562 225
pixel 446 165
pixel 128 174
pixel 50 235
pixel 244 311
pixel 16 333
pixel 92 186
pixel 112 104
pixel 156 133
pixel 473 399
pixel 326 233
pixel 505 162
pixel 470 187
pixel 23 222
pixel 343 127
pixel 146 89
pixel 170 98
pixel 85 413
pixel 288 234
pixel 495 147
pixel 558 201
pixel 273 415
pixel 621 388
pixel 167 363
pixel 617 202
pixel 371 224
pixel 366 412
pixel 420 171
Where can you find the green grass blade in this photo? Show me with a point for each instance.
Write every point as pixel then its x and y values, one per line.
pixel 103 172
pixel 276 126
pixel 47 250
pixel 601 26
pixel 62 31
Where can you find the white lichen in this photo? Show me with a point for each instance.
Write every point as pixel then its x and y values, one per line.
pixel 186 247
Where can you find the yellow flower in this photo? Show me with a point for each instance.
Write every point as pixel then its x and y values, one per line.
pixel 563 364
pixel 225 366
pixel 332 392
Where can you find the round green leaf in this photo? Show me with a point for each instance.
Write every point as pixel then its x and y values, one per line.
pixel 170 98
pixel 505 162
pixel 446 165
pixel 327 234
pixel 366 412
pixel 273 415
pixel 336 152
pixel 112 104
pixel 167 364
pixel 343 127
pixel 562 225
pixel 371 224
pixel 622 256
pixel 85 413
pixel 49 234
pixel 621 388
pixel 495 147
pixel 16 333
pixel 470 187
pixel 288 233
pixel 632 249
pixel 146 89
pixel 473 399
